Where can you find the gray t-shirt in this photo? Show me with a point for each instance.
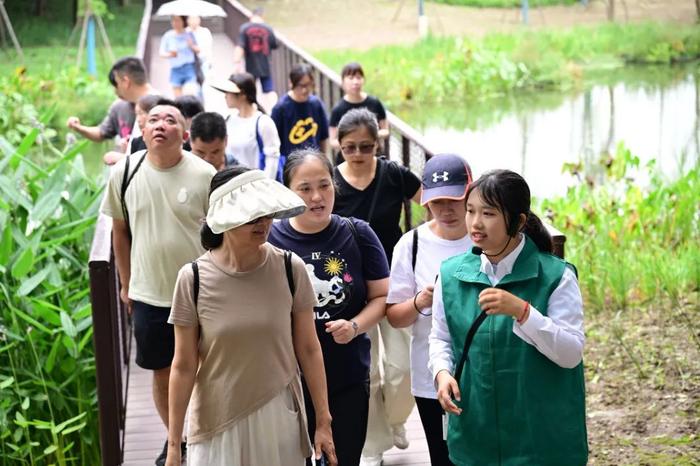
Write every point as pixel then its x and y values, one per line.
pixel 119 121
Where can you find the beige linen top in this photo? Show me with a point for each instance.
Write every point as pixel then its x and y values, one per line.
pixel 166 207
pixel 246 354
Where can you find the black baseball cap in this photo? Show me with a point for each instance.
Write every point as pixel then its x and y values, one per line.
pixel 445 176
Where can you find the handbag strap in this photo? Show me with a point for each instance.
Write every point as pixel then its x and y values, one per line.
pixel 468 343
pixel 378 176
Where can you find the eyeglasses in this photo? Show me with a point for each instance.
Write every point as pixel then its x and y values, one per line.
pixel 309 85
pixel 260 219
pixel 362 148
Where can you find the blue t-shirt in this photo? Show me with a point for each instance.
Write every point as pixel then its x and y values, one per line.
pixel 339 265
pixel 172 41
pixel 300 125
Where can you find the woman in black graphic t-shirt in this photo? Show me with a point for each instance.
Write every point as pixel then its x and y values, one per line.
pixel 349 273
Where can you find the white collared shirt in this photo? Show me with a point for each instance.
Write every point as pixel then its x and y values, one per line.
pixel 559 335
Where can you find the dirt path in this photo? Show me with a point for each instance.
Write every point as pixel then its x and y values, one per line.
pixel 361 24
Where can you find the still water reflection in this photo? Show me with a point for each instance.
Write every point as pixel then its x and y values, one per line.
pixel 655 111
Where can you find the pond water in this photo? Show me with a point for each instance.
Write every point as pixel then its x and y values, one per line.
pixel 655 111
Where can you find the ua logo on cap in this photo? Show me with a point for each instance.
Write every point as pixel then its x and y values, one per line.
pixel 444 177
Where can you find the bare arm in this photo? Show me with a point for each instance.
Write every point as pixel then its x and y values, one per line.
pixel 182 375
pixel 405 313
pixel 308 353
pixel 343 331
pixel 92 133
pixel 333 137
pixel 383 129
pixel 122 254
pixel 238 54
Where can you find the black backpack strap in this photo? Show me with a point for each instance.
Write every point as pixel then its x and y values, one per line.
pixel 468 343
pixel 353 230
pixel 126 180
pixel 289 271
pixel 414 250
pixel 195 282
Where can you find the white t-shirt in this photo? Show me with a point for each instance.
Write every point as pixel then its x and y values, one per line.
pixel 404 283
pixel 204 41
pixel 243 144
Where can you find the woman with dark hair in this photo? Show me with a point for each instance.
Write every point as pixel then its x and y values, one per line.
pixel 299 115
pixel 352 80
pixel 179 46
pixel 373 189
pixel 513 386
pixel 252 135
pixel 237 350
pixel 350 277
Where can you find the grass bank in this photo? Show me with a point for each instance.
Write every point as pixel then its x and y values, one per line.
pixel 450 68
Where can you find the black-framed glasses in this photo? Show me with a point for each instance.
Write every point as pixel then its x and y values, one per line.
pixel 361 148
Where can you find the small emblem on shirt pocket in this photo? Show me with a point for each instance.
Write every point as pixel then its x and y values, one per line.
pixel 182 196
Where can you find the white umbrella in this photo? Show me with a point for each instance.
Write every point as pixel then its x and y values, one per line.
pixel 190 8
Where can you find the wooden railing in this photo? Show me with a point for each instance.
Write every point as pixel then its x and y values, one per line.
pixel 111 325
pixel 110 322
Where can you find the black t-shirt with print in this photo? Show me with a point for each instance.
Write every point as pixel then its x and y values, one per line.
pixel 338 264
pixel 398 184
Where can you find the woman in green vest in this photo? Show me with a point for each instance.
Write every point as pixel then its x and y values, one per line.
pixel 517 397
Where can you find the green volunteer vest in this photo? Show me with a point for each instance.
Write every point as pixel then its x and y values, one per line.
pixel 518 407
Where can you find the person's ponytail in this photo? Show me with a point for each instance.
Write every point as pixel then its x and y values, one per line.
pixel 537 232
pixel 208 238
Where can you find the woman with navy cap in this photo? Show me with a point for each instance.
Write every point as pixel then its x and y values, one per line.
pixel 416 263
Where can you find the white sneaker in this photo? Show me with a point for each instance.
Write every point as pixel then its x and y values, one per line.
pixel 371 460
pixel 400 440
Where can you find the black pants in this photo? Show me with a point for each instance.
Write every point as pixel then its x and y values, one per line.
pixel 430 413
pixel 349 408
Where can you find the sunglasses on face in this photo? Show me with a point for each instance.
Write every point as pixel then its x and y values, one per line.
pixel 362 148
pixel 259 219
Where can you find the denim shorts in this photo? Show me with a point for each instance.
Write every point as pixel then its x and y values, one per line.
pixel 182 75
pixel 266 84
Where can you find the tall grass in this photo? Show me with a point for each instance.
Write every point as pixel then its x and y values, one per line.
pixel 449 68
pixel 632 244
pixel 47 383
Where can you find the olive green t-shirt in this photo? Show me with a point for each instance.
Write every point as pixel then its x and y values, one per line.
pixel 246 351
pixel 166 207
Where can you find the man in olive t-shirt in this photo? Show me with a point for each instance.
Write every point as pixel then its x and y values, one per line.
pixel 166 200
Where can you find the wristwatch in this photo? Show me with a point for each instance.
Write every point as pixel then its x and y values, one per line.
pixel 355 327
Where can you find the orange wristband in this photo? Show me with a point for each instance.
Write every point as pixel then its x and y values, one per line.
pixel 525 309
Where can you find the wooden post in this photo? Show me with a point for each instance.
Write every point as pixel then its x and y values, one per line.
pixel 8 24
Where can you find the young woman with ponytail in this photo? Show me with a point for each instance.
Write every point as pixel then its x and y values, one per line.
pixel 252 135
pixel 507 338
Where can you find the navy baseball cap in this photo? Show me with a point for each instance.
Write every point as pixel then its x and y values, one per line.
pixel 445 176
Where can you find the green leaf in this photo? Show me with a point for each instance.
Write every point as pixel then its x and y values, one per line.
pixel 50 449
pixel 68 325
pixel 51 358
pixel 23 263
pixel 31 283
pixel 59 428
pixel 6 244
pixel 25 403
pixel 6 383
pixel 20 420
pixel 31 320
pixel 74 428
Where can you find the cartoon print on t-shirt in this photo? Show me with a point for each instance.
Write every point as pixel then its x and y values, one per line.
pixel 332 283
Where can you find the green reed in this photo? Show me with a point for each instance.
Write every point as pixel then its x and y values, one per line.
pixel 633 243
pixel 48 207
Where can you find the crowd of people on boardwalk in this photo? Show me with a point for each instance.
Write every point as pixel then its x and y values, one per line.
pixel 283 312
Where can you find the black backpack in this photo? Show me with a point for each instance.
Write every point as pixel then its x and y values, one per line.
pixel 126 180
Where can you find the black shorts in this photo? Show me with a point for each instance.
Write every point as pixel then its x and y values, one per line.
pixel 155 337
